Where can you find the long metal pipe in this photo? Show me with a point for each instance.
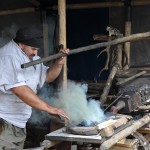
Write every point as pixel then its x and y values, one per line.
pixel 133 37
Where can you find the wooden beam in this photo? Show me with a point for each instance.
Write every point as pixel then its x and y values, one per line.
pixel 131 78
pixel 102 4
pixel 34 2
pixel 16 11
pixel 76 6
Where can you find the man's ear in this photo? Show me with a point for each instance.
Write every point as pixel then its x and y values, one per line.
pixel 21 45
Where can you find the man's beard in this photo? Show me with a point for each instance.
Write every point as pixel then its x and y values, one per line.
pixel 31 57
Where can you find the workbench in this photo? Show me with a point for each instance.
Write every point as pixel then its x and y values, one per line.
pixel 61 135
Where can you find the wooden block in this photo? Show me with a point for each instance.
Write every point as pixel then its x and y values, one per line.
pixel 107 132
pixel 121 148
pixel 105 124
pixel 120 122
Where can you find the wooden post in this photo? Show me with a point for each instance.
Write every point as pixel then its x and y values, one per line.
pixel 108 85
pixel 119 49
pixel 45 34
pixel 62 34
pixel 127 33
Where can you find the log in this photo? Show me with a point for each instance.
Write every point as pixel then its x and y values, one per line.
pixel 143 141
pixel 131 78
pixel 130 143
pixel 133 37
pixel 108 85
pixel 144 130
pixel 122 148
pixel 144 107
pixel 100 37
pixel 124 133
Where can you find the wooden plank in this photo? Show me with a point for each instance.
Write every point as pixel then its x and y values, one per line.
pixel 61 135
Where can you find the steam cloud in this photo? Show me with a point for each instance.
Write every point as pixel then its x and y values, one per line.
pixel 72 100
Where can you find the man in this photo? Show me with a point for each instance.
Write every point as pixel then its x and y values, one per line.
pixel 18 86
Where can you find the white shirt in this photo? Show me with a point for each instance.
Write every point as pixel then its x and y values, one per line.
pixel 12 109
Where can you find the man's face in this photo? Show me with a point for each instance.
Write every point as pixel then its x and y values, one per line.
pixel 29 51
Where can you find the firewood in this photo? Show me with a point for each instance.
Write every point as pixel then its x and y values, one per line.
pixel 107 132
pixel 144 130
pixel 126 132
pixel 121 148
pixel 119 122
pixel 130 143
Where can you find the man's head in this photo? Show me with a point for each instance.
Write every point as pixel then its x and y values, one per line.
pixel 29 40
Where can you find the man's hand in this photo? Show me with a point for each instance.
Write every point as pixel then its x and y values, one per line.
pixel 62 60
pixel 55 70
pixel 58 112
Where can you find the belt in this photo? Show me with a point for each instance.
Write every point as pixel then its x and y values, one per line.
pixel 1 125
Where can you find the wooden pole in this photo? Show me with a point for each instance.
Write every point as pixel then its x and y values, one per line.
pixel 108 84
pixel 128 14
pixel 45 34
pixel 133 37
pixel 62 34
pixel 124 133
pixel 131 78
pixel 17 11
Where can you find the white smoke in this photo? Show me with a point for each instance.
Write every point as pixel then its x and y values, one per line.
pixel 73 100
